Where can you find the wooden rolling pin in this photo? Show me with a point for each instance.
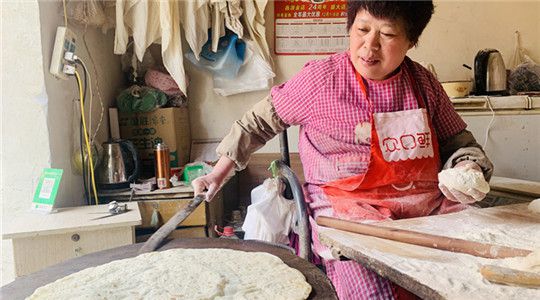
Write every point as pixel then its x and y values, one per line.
pixel 424 239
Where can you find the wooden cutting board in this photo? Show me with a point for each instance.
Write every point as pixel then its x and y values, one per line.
pixel 437 274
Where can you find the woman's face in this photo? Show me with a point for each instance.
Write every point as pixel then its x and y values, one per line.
pixel 377 46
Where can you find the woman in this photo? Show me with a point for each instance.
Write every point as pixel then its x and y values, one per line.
pixel 375 129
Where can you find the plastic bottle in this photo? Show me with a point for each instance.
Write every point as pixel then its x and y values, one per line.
pixel 228 233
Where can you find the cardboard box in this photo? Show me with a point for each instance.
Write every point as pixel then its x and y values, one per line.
pixel 146 130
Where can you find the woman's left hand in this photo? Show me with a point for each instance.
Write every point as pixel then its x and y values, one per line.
pixel 472 195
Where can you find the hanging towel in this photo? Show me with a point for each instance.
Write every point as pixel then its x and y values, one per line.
pixel 253 16
pixel 226 13
pixel 233 13
pixel 218 18
pixel 149 22
pixel 195 17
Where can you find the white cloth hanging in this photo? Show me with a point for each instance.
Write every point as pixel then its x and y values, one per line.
pixel 253 16
pixel 158 22
pixel 226 14
pixel 233 14
pixel 151 22
pixel 218 28
pixel 195 18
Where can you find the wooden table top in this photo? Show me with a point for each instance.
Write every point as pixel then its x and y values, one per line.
pixel 68 219
pixel 436 274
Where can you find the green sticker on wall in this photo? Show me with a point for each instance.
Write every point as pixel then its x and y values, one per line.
pixel 47 189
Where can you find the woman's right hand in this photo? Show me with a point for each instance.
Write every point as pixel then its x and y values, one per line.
pixel 213 181
pixel 208 183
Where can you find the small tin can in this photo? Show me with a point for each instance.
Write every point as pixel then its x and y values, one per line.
pixel 162 166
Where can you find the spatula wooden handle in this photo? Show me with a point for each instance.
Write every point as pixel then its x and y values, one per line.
pixel 503 275
pixel 163 232
pixel 424 239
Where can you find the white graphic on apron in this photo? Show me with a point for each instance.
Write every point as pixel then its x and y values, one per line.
pixel 407 142
pixel 404 134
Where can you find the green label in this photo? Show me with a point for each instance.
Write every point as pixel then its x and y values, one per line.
pixel 47 189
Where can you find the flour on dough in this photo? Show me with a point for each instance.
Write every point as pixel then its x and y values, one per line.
pixel 534 206
pixel 184 274
pixel 463 179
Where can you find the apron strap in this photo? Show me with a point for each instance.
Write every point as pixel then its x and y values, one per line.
pixel 360 80
pixel 416 90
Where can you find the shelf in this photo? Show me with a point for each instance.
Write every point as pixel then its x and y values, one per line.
pixel 178 192
pixel 497 103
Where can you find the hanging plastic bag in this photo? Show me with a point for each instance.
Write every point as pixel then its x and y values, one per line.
pixel 525 74
pixel 226 61
pixel 518 57
pixel 256 74
pixel 270 216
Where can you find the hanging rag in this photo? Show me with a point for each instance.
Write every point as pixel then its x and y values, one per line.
pixel 225 14
pixel 149 22
pixel 253 17
pixel 218 28
pixel 232 14
pixel 195 18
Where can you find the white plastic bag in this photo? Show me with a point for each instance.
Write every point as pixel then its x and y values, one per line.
pixel 519 56
pixel 255 74
pixel 270 216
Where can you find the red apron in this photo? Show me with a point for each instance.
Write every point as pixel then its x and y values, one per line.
pixel 401 179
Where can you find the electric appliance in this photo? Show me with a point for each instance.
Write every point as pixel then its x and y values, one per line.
pixel 489 73
pixel 120 165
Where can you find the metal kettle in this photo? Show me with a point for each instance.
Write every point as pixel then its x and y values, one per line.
pixel 120 165
pixel 489 73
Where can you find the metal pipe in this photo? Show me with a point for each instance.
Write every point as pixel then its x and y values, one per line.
pixel 302 216
pixel 284 148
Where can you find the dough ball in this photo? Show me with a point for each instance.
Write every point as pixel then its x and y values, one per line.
pixel 463 179
pixel 534 206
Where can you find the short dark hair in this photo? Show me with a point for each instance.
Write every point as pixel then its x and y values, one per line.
pixel 415 14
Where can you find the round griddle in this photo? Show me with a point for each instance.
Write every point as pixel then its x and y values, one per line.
pixel 24 286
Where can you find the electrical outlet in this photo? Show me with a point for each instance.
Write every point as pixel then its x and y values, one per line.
pixel 64 42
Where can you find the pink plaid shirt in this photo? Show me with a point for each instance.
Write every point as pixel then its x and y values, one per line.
pixel 325 99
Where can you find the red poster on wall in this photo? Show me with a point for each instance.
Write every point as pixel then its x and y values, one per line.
pixel 310 27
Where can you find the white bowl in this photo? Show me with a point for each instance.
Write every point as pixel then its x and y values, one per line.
pixel 458 88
